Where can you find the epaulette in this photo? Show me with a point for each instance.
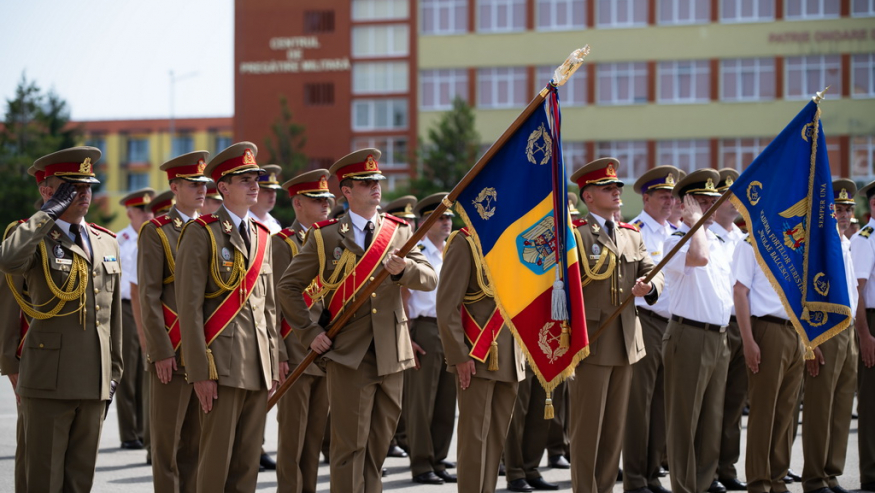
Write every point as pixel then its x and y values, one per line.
pixel 322 224
pixel 101 228
pixel 261 225
pixel 629 226
pixel 421 247
pixel 286 233
pixel 465 231
pixel 638 223
pixel 578 223
pixel 205 220
pixel 747 240
pixel 865 232
pixel 11 226
pixel 678 233
pixel 396 219
pixel 161 221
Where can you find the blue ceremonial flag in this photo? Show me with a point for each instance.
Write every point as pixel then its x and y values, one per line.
pixel 786 197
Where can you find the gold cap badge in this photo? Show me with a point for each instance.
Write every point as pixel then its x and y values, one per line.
pixel 709 185
pixel 248 157
pixel 371 164
pixel 669 180
pixel 85 167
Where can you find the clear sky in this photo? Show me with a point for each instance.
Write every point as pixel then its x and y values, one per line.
pixel 111 59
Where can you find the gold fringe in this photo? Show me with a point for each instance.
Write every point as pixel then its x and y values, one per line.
pixel 493 356
pixel 548 407
pixel 211 364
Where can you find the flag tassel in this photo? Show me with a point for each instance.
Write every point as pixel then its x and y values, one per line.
pixel 565 336
pixel 548 406
pixel 559 303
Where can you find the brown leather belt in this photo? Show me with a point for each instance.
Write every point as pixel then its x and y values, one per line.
pixel 774 320
pixel 652 314
pixel 702 325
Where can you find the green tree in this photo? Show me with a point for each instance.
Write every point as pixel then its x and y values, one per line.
pixel 285 148
pixel 452 149
pixel 34 124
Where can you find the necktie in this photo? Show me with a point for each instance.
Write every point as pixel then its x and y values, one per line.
pixel 609 226
pixel 79 240
pixel 369 234
pixel 244 233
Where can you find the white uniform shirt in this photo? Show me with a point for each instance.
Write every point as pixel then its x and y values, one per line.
pixel 424 303
pixel 127 247
pixel 849 272
pixel 272 224
pixel 763 298
pixel 863 254
pixel 703 293
pixel 655 236
pixel 730 239
pixel 358 227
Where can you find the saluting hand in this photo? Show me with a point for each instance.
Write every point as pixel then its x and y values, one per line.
pixel 60 200
pixel 394 264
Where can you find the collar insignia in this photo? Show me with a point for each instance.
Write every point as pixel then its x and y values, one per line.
pixel 55 235
pixel 344 228
pixel 226 226
pixel 177 223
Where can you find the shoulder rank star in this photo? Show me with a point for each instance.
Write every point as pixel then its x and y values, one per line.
pixel 55 235
pixel 177 223
pixel 226 226
pixel 344 228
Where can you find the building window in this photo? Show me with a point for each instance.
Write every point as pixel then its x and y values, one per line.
pixel 380 41
pixel 182 144
pixel 863 158
pixel 561 15
pixel 396 182
pixel 379 114
pixel 444 16
pixel 574 155
pixel 811 9
pixel 808 74
pixel 501 87
pixel 379 77
pixel 622 83
pixel 747 10
pixel 632 155
pixel 222 142
pixel 863 76
pixel 684 81
pixel 572 93
pixel 379 9
pixel 137 181
pixel 622 13
pixel 318 21
pixel 138 151
pixel 438 88
pixel 499 16
pixel 100 143
pixel 747 79
pixel 739 153
pixel 394 150
pixel 863 8
pixel 684 11
pixel 688 155
pixel 319 94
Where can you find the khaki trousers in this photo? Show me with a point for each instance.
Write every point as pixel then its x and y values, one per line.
pixel 644 441
pixel 866 413
pixel 229 445
pixel 527 437
pixel 829 399
pixel 773 392
pixel 599 397
pixel 485 410
pixel 429 401
pixel 20 452
pixel 62 438
pixel 129 395
pixel 365 409
pixel 302 414
pixel 176 434
pixel 733 405
pixel 696 361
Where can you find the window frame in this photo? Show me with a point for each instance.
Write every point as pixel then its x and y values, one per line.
pixel 452 79
pixel 740 71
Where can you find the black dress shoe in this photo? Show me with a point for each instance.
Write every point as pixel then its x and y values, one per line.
pixel 519 485
pixel 619 474
pixel 134 444
pixel 501 470
pixel 448 464
pixel 794 476
pixel 384 472
pixel 447 477
pixel 733 484
pixel 663 472
pixel 427 478
pixel 788 479
pixel 638 490
pixel 539 484
pixel 396 451
pixel 838 489
pixel 716 487
pixel 868 486
pixel 558 462
pixel 267 463
pixel 658 488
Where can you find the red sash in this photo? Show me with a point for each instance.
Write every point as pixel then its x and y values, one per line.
pixel 481 337
pixel 25 326
pixel 235 300
pixel 171 325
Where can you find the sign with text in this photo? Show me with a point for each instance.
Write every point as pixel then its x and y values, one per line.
pixel 295 60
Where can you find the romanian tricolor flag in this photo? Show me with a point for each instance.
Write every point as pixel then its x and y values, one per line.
pixel 517 211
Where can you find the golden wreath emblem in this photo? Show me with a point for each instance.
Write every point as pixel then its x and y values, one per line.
pixel 753 192
pixel 816 318
pixel 485 202
pixel 248 157
pixel 371 164
pixel 546 340
pixel 85 167
pixel 821 285
pixel 540 142
pixel 807 131
pixel 201 166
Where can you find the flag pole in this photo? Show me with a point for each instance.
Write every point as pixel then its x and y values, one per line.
pixel 561 75
pixel 650 275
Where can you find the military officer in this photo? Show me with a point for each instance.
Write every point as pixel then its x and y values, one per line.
pixel 162 203
pixel 66 374
pixel 268 184
pixel 486 380
pixel 644 441
pixel 225 303
pixel 303 410
pixel 174 408
pixel 831 378
pixel 694 348
pixel 863 253
pixel 130 400
pixel 212 201
pixel 599 393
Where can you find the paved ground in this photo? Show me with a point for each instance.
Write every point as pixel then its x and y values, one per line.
pixel 119 470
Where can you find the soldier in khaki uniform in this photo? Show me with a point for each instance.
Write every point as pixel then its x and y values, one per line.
pixel 174 413
pixel 366 358
pixel 213 199
pixel 268 185
pixel 831 379
pixel 303 411
pixel 614 260
pixel 225 302
pixel 486 396
pixel 71 360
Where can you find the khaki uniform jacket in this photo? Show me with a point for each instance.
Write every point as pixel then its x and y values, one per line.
pixel 61 359
pixel 459 276
pixel 245 352
pixel 153 292
pixel 10 326
pixel 292 350
pixel 622 345
pixel 381 319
